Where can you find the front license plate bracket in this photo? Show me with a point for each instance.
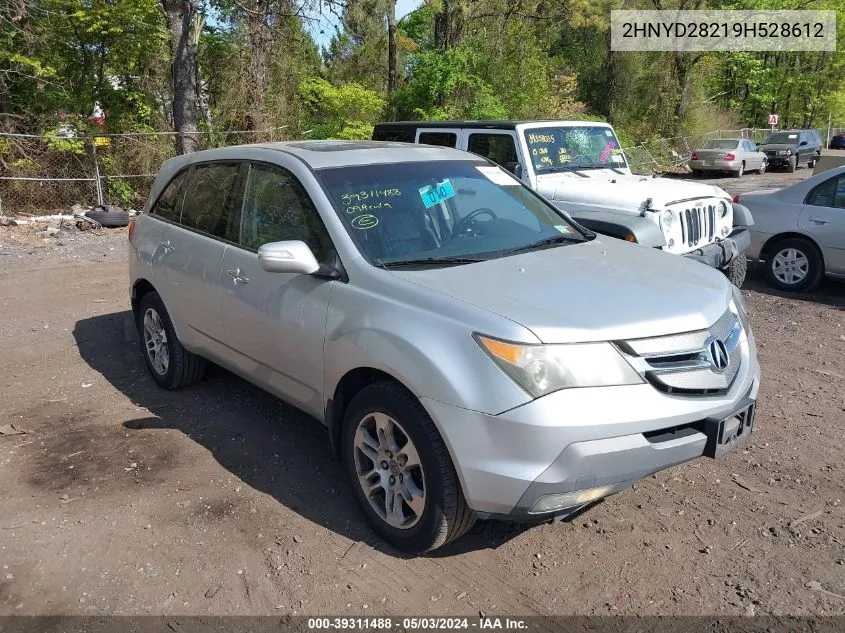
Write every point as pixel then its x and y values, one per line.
pixel 725 434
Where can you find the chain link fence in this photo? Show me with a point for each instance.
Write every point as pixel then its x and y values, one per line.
pixel 666 154
pixel 42 175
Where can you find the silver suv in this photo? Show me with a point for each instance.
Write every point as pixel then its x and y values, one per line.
pixel 472 351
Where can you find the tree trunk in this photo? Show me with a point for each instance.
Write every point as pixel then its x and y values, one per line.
pixel 181 22
pixel 391 46
pixel 256 87
pixel 449 25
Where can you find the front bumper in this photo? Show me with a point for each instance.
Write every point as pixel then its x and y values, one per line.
pixel 779 161
pixel 721 253
pixel 576 439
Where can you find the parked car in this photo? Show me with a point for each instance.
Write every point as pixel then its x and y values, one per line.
pixel 789 149
pixel 471 351
pixel 580 167
pixel 799 231
pixel 837 142
pixel 729 154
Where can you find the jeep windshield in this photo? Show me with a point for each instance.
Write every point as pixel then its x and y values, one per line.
pixel 437 213
pixel 781 138
pixel 571 148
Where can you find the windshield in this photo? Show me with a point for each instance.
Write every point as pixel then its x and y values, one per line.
pixel 721 144
pixel 440 210
pixel 787 138
pixel 570 148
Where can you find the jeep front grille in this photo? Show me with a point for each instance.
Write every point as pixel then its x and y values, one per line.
pixel 698 224
pixel 684 364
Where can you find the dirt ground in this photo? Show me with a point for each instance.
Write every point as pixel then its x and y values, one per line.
pixel 121 498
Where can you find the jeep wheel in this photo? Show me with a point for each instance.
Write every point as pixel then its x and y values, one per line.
pixel 400 471
pixel 736 269
pixel 794 265
pixel 171 365
pixel 738 173
pixel 792 164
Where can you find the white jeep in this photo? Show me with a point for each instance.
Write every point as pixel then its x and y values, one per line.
pixel 580 167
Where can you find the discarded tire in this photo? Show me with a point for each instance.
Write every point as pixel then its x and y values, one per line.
pixel 109 216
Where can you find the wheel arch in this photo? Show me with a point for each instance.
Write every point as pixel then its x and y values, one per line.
pixel 773 241
pixel 140 288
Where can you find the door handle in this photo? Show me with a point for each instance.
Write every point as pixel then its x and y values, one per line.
pixel 819 221
pixel 167 247
pixel 237 277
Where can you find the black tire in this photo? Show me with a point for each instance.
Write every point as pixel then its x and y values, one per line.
pixel 791 164
pixel 183 367
pixel 815 264
pixel 446 515
pixel 737 268
pixel 109 217
pixel 697 173
pixel 738 173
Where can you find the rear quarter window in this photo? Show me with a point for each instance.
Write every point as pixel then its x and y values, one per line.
pixel 168 206
pixel 446 139
pixel 397 136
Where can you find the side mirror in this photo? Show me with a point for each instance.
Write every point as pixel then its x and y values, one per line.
pixel 292 256
pixel 514 168
pixel 802 143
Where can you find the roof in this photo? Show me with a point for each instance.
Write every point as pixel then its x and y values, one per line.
pixel 322 154
pixel 494 125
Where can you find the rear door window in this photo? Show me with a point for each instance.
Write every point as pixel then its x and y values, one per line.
pixel 446 139
pixel 168 205
pixel 831 193
pixel 500 148
pixel 212 200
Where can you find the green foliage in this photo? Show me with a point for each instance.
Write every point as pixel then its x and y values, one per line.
pixel 64 145
pixel 120 191
pixel 346 111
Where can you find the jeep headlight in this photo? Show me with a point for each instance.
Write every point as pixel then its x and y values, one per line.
pixel 543 369
pixel 666 219
pixel 723 209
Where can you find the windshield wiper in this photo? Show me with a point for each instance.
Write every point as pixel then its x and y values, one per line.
pixel 432 261
pixel 549 241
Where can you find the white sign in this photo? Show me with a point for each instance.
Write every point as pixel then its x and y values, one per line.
pixel 773 119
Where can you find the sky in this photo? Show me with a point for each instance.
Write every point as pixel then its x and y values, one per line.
pixel 327 22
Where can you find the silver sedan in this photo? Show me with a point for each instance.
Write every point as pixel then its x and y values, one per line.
pixel 730 154
pixel 799 231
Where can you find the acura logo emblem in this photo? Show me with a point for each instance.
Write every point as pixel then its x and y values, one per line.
pixel 718 354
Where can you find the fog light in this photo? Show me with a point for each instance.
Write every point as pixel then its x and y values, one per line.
pixel 671 243
pixel 725 231
pixel 550 503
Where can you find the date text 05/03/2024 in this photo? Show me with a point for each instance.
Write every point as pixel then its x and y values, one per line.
pixel 418 623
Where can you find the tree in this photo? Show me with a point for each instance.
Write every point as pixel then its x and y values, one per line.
pixel 184 23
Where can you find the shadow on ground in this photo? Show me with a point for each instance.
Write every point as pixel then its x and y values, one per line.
pixel 267 444
pixel 828 292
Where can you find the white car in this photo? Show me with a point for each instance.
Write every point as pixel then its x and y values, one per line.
pixel 580 167
pixel 799 231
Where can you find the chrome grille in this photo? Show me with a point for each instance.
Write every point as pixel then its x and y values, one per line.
pixel 681 363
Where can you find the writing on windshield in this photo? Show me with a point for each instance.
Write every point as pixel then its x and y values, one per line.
pixel 580 147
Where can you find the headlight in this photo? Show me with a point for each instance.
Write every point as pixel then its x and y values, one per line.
pixel 785 152
pixel 542 369
pixel 738 307
pixel 723 209
pixel 666 219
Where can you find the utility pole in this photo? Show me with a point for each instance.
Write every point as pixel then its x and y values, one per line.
pixel 829 121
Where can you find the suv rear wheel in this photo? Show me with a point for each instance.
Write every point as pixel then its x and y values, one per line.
pixel 171 365
pixel 795 265
pixel 400 471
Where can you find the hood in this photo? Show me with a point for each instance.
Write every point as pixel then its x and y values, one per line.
pixel 595 291
pixel 776 146
pixel 625 192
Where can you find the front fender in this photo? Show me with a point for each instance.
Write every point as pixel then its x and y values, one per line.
pixel 617 225
pixel 742 215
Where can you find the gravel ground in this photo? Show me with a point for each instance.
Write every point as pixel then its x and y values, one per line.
pixel 219 499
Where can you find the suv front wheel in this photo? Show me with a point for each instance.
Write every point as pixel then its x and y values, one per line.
pixel 400 470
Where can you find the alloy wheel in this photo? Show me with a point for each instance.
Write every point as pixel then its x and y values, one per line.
pixel 389 470
pixel 155 342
